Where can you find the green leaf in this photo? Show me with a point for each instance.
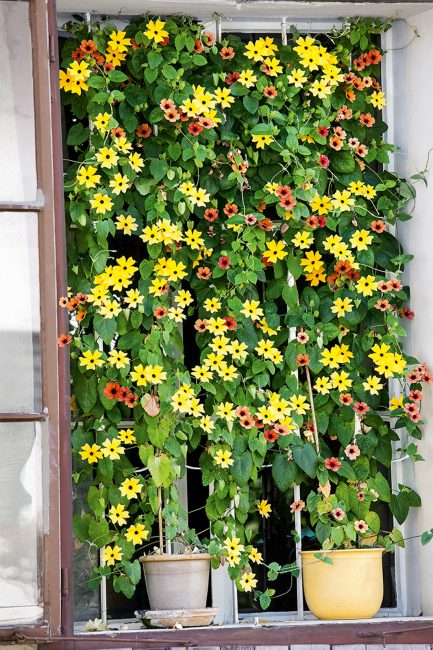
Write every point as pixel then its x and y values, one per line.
pixel 283 472
pixel 399 506
pixel 342 162
pixel 105 327
pixel 133 571
pixel 85 390
pixel 290 295
pixel 158 168
pixel 199 59
pixel 383 487
pixel 77 134
pixel 99 533
pixel 426 537
pixel 117 76
pixel 305 456
pixel 242 468
pixel 159 468
pixel 250 104
pixel 262 129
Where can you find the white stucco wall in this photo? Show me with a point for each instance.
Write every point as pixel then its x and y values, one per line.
pixel 416 137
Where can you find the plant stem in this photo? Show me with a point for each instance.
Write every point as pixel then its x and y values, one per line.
pixel 160 524
pixel 313 412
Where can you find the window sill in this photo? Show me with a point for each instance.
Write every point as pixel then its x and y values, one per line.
pixel 389 629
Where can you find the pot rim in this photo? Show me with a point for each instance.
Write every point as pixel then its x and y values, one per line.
pixel 374 549
pixel 175 557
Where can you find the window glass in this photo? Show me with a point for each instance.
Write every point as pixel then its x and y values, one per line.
pixel 20 381
pixel 20 516
pixel 17 159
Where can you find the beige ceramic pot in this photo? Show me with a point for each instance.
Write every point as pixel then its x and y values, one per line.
pixel 177 581
pixel 349 588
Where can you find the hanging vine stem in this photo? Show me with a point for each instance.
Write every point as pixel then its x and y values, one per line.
pixel 313 411
pixel 160 522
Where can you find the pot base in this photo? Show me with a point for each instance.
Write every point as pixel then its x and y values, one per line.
pixel 183 617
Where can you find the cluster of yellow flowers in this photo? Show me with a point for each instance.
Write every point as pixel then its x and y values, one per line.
pixel 115 278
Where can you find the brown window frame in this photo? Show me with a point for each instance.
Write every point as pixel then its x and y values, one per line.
pixel 56 630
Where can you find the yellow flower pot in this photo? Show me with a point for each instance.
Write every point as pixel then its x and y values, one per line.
pixel 349 588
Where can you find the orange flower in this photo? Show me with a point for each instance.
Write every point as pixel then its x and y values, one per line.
pixel 143 131
pixel 204 273
pixel 270 91
pixel 118 132
pixel 367 119
pixel 166 104
pixel 88 47
pixel 230 209
pixel 227 53
pixel 171 115
pixel 64 340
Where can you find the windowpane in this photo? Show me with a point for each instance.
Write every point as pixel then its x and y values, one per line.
pixel 20 517
pixel 20 381
pixel 17 159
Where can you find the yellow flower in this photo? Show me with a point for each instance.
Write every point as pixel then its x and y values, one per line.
pixel 223 458
pixel 177 314
pixel 342 201
pixel 126 223
pixel 361 239
pixel 372 385
pixel 273 67
pixel 199 197
pixel 378 100
pixel 233 559
pixel 130 488
pixel 91 359
pixel 101 203
pixel 123 145
pixel 275 251
pixel 312 261
pixel 251 309
pixel 226 411
pixel 194 239
pixel 316 276
pixel 255 556
pixel 183 298
pixel 238 350
pixel 261 140
pixel 272 188
pixel 247 78
pixel 269 46
pixel 136 161
pixel 233 545
pixel 101 121
pixel 304 45
pixel 248 581
pixel 119 42
pixel 216 325
pixel 114 57
pixel 255 51
pixel 264 348
pixel 138 375
pixel 202 373
pixel 220 344
pixel 79 70
pixel 127 436
pixel 107 157
pixel 320 88
pixel 118 514
pixel 119 183
pixel 396 403
pixel 91 453
pixel 155 31
pixel 299 404
pixel 67 81
pixel 341 380
pixel 223 97
pixel 110 309
pixel 321 204
pixel 330 358
pixel 227 372
pixel 118 359
pixel 323 385
pixel 264 508
pixel 366 285
pixel 341 305
pixel 134 298
pixel 297 78
pixel 112 449
pixel 207 424
pixel 303 239
pixel 87 176
pixel 136 534
pixel 110 555
pixel 344 354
